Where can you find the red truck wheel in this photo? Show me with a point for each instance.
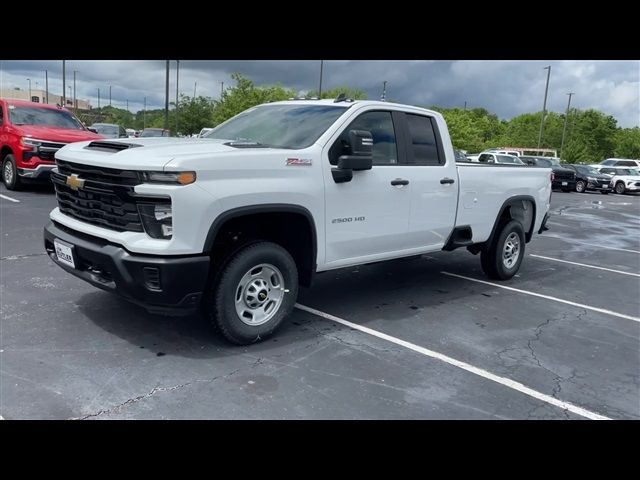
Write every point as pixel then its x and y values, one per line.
pixel 10 173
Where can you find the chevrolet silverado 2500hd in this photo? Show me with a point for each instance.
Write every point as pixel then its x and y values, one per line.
pixel 232 223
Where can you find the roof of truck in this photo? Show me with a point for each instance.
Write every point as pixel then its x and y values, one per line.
pixel 348 103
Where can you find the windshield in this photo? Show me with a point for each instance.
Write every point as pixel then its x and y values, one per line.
pixel 151 133
pixel 111 130
pixel 43 116
pixel 279 126
pixel 588 170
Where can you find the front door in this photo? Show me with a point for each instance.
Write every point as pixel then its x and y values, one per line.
pixel 367 218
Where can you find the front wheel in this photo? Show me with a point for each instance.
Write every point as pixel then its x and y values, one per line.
pixel 620 188
pixel 10 173
pixel 257 289
pixel 581 186
pixel 502 258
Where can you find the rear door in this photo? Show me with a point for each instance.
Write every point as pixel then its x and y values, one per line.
pixel 434 177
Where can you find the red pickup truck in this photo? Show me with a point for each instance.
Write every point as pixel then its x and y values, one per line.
pixel 30 135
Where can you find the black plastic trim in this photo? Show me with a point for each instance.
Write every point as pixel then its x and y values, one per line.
pixel 507 203
pixel 457 238
pixel 264 208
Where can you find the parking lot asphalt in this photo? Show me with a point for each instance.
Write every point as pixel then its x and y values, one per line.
pixel 417 338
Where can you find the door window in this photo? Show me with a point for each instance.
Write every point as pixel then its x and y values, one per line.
pixel 380 124
pixel 423 149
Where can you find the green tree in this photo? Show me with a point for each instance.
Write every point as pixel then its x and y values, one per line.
pixel 194 114
pixel 472 130
pixel 627 143
pixel 245 95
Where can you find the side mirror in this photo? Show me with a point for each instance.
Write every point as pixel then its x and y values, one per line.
pixel 92 130
pixel 361 158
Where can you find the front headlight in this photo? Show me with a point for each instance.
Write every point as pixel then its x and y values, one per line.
pixel 180 178
pixel 157 219
pixel 30 143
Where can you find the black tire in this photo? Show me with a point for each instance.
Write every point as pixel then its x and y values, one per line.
pixel 10 176
pixel 620 188
pixel 492 255
pixel 581 186
pixel 221 303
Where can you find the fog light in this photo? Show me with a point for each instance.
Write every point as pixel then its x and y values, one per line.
pixel 157 219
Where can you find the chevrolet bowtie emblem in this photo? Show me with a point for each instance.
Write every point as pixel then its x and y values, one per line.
pixel 75 182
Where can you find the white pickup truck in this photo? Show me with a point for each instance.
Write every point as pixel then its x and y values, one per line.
pixel 232 223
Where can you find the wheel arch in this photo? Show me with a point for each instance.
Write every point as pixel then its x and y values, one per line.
pixel 515 208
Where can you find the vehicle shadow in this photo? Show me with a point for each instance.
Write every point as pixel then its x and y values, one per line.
pixel 189 336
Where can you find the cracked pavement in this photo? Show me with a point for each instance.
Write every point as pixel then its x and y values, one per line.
pixel 69 351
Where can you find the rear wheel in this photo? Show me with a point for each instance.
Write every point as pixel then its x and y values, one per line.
pixel 257 289
pixel 620 187
pixel 10 173
pixel 502 258
pixel 581 186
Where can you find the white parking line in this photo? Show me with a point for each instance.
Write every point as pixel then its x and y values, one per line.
pixel 9 198
pixel 548 297
pixel 585 265
pixel 457 363
pixel 571 240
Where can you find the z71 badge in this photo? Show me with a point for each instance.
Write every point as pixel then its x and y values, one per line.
pixel 305 162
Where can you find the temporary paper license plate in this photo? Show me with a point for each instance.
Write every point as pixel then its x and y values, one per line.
pixel 64 252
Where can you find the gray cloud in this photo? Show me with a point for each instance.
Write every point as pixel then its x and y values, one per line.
pixel 507 88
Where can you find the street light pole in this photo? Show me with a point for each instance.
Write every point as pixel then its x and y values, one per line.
pixel 544 105
pixel 64 84
pixel 109 95
pixel 221 90
pixel 566 120
pixel 98 99
pixel 144 114
pixel 195 84
pixel 166 98
pixel 75 100
pixel 46 85
pixel 29 80
pixel 177 99
pixel 383 97
pixel 320 85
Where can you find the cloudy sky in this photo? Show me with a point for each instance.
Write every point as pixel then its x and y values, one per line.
pixel 507 88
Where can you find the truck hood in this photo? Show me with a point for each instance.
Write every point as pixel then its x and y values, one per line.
pixel 145 153
pixel 55 134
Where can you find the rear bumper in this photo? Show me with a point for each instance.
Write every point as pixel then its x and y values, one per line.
pixel 168 285
pixel 41 172
pixel 560 184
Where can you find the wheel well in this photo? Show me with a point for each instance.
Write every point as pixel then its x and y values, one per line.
pixel 291 230
pixel 4 152
pixel 522 211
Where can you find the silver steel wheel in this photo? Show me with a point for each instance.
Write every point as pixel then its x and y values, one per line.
pixel 8 173
pixel 511 250
pixel 259 294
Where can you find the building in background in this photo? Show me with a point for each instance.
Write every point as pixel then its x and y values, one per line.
pixel 39 96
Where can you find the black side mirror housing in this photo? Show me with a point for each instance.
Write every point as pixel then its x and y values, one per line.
pixel 361 158
pixel 92 130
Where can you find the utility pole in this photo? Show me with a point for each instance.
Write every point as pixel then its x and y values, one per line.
pixel 144 114
pixel 194 90
pixel 98 99
pixel 64 84
pixel 69 87
pixel 109 95
pixel 320 86
pixel 46 85
pixel 127 104
pixel 383 97
pixel 75 99
pixel 465 105
pixel 221 90
pixel 566 120
pixel 29 80
pixel 177 92
pixel 544 105
pixel 166 98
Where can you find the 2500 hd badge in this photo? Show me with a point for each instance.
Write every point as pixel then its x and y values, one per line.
pixel 348 219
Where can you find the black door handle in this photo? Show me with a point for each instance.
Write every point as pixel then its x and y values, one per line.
pixel 446 180
pixel 399 181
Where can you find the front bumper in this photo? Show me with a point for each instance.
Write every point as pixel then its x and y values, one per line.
pixel 599 186
pixel 41 172
pixel 168 285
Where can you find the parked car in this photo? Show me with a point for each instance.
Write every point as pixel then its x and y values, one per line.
pixel 621 162
pixel 589 178
pixel 492 157
pixel 30 135
pixel 109 130
pixel 460 156
pixel 563 178
pixel 204 131
pixel 131 133
pixel 234 226
pixel 622 180
pixel 155 132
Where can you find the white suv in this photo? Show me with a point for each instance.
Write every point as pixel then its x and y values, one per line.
pixel 620 162
pixel 623 180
